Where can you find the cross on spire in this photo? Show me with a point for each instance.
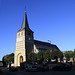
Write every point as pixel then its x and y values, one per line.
pixel 25 8
pixel 25 21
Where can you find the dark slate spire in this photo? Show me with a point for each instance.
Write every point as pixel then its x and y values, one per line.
pixel 25 22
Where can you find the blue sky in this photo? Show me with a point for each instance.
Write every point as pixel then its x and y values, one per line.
pixel 52 20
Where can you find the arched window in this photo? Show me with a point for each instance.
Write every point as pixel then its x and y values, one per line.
pixel 21 33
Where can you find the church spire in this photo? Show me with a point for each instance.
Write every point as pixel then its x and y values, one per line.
pixel 25 21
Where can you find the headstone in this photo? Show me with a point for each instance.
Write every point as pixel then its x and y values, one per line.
pixel 58 59
pixel 71 59
pixel 64 59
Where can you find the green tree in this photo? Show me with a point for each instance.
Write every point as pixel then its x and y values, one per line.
pixel 8 58
pixel 74 53
pixel 47 55
pixel 32 57
pixel 56 54
pixel 74 50
pixel 69 54
pixel 40 56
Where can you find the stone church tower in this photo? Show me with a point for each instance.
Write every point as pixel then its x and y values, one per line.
pixel 24 42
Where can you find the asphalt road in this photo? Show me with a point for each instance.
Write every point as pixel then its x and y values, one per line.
pixel 6 72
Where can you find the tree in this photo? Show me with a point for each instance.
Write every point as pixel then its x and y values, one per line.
pixel 69 54
pixel 4 63
pixel 74 50
pixel 47 55
pixel 74 54
pixel 8 58
pixel 32 57
pixel 56 54
pixel 40 56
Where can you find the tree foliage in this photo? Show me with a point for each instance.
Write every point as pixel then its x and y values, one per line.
pixel 47 55
pixel 74 54
pixel 56 54
pixel 8 58
pixel 69 54
pixel 32 56
pixel 40 55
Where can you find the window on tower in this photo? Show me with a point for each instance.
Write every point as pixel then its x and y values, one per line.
pixel 18 34
pixel 21 33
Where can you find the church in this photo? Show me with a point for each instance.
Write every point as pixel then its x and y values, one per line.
pixel 25 43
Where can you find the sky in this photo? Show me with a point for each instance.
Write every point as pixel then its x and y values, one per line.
pixel 52 20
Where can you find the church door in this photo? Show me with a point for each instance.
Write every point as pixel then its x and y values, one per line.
pixel 21 59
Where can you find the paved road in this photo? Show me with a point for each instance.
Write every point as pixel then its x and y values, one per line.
pixel 6 72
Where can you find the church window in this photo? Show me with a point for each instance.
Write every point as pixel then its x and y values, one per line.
pixel 21 33
pixel 18 34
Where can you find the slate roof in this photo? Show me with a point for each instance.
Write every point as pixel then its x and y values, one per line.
pixel 36 42
pixel 25 23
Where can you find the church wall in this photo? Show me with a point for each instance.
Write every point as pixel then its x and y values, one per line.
pixel 20 41
pixel 29 41
pixel 17 57
pixel 29 47
pixel 20 48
